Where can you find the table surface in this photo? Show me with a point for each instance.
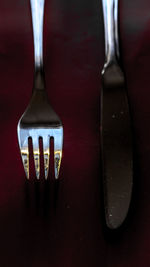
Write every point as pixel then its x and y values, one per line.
pixel 62 224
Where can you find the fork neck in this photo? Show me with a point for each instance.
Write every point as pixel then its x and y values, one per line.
pixel 37 12
pixel 110 16
pixel 39 79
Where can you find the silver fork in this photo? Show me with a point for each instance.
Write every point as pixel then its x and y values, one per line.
pixel 39 119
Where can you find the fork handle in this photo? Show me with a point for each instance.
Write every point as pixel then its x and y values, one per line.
pixel 37 12
pixel 110 14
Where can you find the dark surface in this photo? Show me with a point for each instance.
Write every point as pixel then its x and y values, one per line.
pixel 62 224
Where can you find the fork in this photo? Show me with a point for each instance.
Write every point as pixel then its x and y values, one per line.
pixel 39 119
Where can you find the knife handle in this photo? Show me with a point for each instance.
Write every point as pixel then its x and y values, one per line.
pixel 116 3
pixel 110 14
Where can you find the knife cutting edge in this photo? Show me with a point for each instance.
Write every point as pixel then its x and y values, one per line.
pixel 116 133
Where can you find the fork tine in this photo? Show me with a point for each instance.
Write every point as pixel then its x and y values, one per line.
pixel 24 149
pixel 57 162
pixel 58 143
pixel 25 157
pixel 46 152
pixel 36 155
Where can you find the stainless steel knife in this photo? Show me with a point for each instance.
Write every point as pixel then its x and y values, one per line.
pixel 116 133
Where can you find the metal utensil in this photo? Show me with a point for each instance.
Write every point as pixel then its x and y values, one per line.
pixel 116 135
pixel 39 119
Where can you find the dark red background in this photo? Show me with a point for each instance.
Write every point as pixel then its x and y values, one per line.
pixel 48 224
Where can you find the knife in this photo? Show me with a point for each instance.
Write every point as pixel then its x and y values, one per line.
pixel 116 130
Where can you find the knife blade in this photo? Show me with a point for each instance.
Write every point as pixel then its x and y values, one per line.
pixel 116 129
